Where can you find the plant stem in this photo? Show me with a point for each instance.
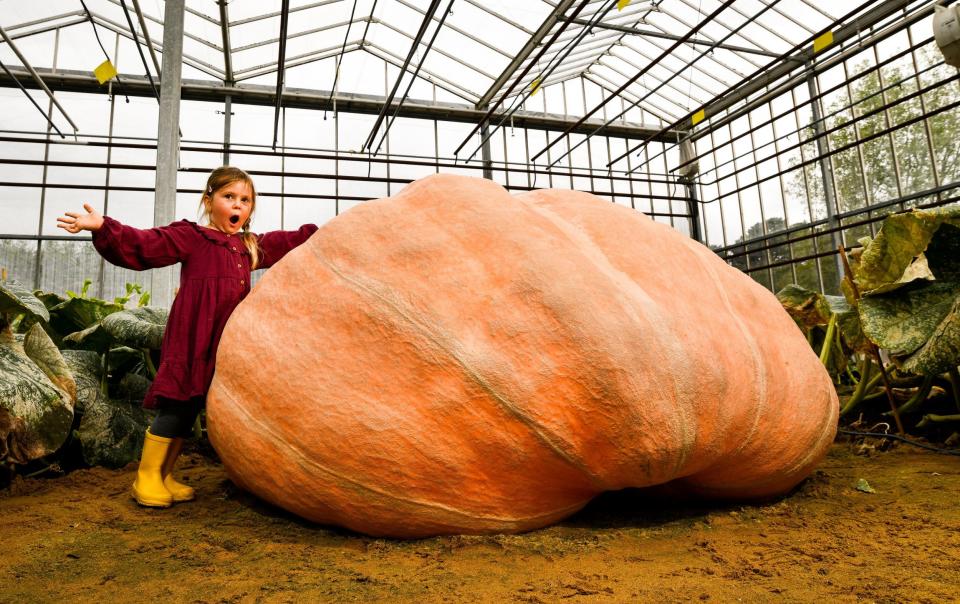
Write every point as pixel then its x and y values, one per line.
pixel 955 385
pixel 863 386
pixel 148 362
pixel 918 397
pixel 873 347
pixel 828 340
pixel 103 376
pixel 930 417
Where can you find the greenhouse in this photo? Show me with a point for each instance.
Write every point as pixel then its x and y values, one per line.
pixel 467 300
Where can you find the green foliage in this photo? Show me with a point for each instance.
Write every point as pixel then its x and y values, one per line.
pixel 908 281
pixel 137 327
pixel 914 313
pixel 103 379
pixel 16 300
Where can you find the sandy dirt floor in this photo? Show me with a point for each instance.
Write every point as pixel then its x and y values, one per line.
pixel 81 538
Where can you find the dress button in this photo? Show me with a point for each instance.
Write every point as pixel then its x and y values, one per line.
pixel 233 248
pixel 239 266
pixel 242 282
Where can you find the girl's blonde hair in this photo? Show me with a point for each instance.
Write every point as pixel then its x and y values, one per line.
pixel 225 176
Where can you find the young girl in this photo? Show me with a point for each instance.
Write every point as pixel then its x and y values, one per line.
pixel 216 262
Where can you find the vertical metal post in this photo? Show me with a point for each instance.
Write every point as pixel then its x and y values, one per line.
pixel 227 112
pixel 485 152
pixel 168 138
pixel 826 171
pixel 101 286
pixel 693 206
pixel 38 266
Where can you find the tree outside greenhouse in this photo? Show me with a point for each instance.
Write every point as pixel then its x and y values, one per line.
pixel 885 168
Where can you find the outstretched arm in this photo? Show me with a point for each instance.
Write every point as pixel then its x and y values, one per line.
pixel 275 244
pixel 125 246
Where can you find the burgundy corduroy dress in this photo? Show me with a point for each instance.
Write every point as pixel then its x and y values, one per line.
pixel 214 278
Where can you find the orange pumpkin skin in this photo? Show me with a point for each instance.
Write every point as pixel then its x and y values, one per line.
pixel 455 359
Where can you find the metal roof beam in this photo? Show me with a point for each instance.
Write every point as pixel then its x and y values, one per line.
pixel 452 27
pixel 521 56
pixel 36 77
pixel 666 36
pixel 397 61
pixel 427 21
pixel 188 59
pixel 440 51
pixel 845 32
pixel 146 35
pixel 296 61
pixel 263 95
pixel 277 13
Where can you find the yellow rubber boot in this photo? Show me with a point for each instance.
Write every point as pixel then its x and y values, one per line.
pixel 179 491
pixel 148 488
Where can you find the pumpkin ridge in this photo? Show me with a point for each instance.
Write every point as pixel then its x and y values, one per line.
pixel 595 255
pixel 760 392
pixel 304 460
pixel 541 432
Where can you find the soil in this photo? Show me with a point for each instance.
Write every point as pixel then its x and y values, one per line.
pixel 81 537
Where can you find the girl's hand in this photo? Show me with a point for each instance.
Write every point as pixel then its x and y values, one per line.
pixel 73 222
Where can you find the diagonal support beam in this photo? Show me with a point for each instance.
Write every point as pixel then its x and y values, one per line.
pixel 281 60
pixel 528 48
pixel 434 4
pixel 674 38
pixel 225 33
pixel 36 76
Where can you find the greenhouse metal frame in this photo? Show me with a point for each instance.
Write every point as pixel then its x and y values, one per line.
pixel 772 131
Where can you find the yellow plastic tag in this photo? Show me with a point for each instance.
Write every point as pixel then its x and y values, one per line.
pixel 622 4
pixel 535 86
pixel 698 117
pixel 823 41
pixel 105 72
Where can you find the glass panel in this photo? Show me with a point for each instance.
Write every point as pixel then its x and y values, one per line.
pixel 19 259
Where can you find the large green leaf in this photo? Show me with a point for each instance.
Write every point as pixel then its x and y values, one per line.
pixel 812 309
pixel 94 338
pixel 49 299
pixel 903 321
pixel 892 259
pixel 42 351
pixel 77 314
pixel 85 365
pixel 35 415
pixel 16 299
pixel 807 307
pixel 111 431
pixel 848 321
pixel 941 352
pixel 133 388
pixel 138 327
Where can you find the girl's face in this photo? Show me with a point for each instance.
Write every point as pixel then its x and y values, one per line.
pixel 229 207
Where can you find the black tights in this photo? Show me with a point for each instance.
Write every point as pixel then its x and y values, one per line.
pixel 175 419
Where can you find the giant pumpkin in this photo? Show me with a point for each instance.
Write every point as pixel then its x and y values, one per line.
pixel 455 359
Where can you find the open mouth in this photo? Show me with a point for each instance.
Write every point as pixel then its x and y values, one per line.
pixel 234 219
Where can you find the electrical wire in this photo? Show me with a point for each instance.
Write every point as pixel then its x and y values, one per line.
pixel 901 438
pixel 97 36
